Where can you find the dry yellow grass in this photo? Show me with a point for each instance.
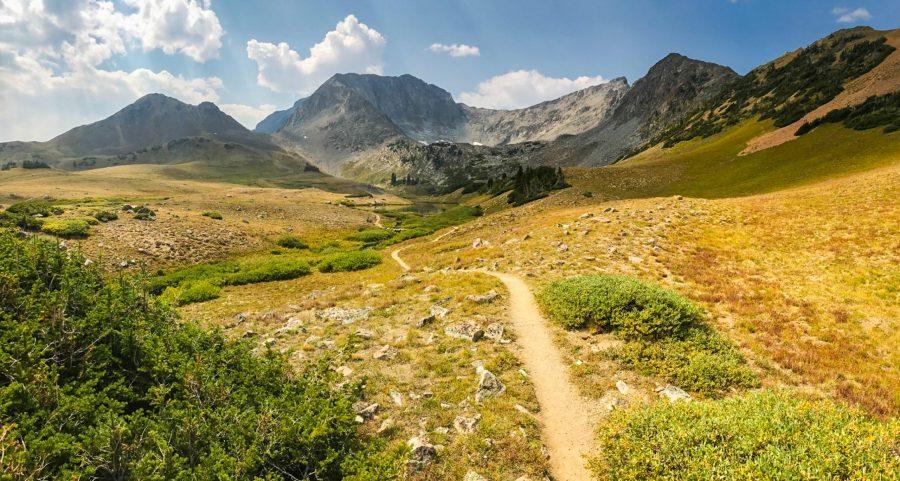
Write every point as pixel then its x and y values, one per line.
pixel 804 280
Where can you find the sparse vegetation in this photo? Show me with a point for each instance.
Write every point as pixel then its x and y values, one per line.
pixel 664 333
pixel 99 382
pixel 876 111
pixel 67 228
pixel 106 216
pixel 212 215
pixel 760 435
pixel 349 261
pixel 412 225
pixel 289 241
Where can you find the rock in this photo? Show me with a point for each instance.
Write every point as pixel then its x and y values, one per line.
pixel 494 331
pixel 424 321
pixel 385 352
pixel 386 425
pixel 365 410
pixel 488 385
pixel 562 247
pixel 345 315
pixel 442 430
pixel 623 387
pixel 408 278
pixel 289 327
pixel 484 298
pixel 439 311
pixel 477 243
pixel 365 333
pixel 431 288
pixel 421 453
pixel 587 215
pixel 250 333
pixel 396 397
pixel 473 476
pixel 467 331
pixel 344 371
pixel 673 393
pixel 464 424
pixel 635 259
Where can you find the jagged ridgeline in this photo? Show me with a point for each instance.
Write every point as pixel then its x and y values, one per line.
pixel 788 88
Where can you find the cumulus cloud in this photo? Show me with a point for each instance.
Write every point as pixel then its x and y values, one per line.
pixel 523 88
pixel 248 115
pixel 351 47
pixel 846 15
pixel 185 26
pixel 456 49
pixel 51 53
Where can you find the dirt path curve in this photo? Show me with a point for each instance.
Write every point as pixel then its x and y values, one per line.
pixel 568 421
pixel 378 221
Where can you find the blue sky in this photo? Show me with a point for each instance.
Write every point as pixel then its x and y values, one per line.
pixel 92 57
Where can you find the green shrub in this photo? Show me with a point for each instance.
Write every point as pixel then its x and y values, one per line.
pixel 32 207
pixel 106 216
pixel 761 435
pixel 291 242
pixel 100 381
pixel 266 270
pixel 212 215
pixel 68 228
pixel 190 293
pixel 371 236
pixel 349 261
pixel 631 308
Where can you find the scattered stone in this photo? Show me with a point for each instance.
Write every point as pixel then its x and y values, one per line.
pixel 424 321
pixel 386 425
pixel 396 397
pixel 365 410
pixel 344 314
pixel 494 331
pixel 344 371
pixel 467 331
pixel 477 243
pixel 443 430
pixel 586 215
pixel 365 333
pixel 635 259
pixel 439 311
pixel 562 247
pixel 488 385
pixel 421 453
pixel 409 278
pixel 484 298
pixel 673 393
pixel 250 333
pixel 385 353
pixel 473 476
pixel 430 288
pixel 623 387
pixel 465 424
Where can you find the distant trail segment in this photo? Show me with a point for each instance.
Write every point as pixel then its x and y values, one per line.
pixel 568 421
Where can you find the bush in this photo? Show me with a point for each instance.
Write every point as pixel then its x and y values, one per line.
pixel 32 207
pixel 68 228
pixel 371 236
pixel 761 435
pixel 106 216
pixel 265 270
pixel 349 261
pixel 212 215
pixel 631 308
pixel 192 292
pixel 102 382
pixel 291 242
pixel 664 332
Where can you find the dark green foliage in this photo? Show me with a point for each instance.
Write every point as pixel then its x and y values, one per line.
pixel 631 308
pixel 212 215
pixel 664 333
pixel 8 165
pixel 876 111
pixel 100 381
pixel 32 207
pixel 762 435
pixel 532 183
pixel 267 270
pixel 106 216
pixel 349 261
pixel 412 225
pixel 67 228
pixel 784 93
pixel 371 236
pixel 34 164
pixel 191 292
pixel 144 213
pixel 289 241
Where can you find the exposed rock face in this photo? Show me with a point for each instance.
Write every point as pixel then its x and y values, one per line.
pixel 673 87
pixel 467 331
pixel 276 120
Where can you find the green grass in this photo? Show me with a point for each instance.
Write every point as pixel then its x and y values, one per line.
pixel 106 216
pixel 191 292
pixel 68 228
pixel 291 242
pixel 664 333
pixel 413 225
pixel 212 215
pixel 760 435
pixel 371 236
pixel 712 168
pixel 349 261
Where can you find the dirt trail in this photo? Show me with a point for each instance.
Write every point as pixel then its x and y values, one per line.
pixel 568 421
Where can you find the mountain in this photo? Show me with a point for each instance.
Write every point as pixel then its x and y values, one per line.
pixel 352 115
pixel 276 120
pixel 672 87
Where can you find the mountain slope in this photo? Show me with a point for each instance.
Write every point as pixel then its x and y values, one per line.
pixel 276 120
pixel 673 86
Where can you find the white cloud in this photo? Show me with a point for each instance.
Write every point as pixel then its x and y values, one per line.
pixel 248 115
pixel 523 88
pixel 456 50
pixel 50 54
pixel 351 47
pixel 845 15
pixel 185 26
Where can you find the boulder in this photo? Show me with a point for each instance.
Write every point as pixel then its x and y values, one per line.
pixel 484 298
pixel 467 331
pixel 488 385
pixel 439 311
pixel 344 314
pixel 424 321
pixel 673 393
pixel 385 353
pixel 494 331
pixel 421 453
pixel 473 476
pixel 465 424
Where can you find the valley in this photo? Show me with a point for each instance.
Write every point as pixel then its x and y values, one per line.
pixel 632 281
